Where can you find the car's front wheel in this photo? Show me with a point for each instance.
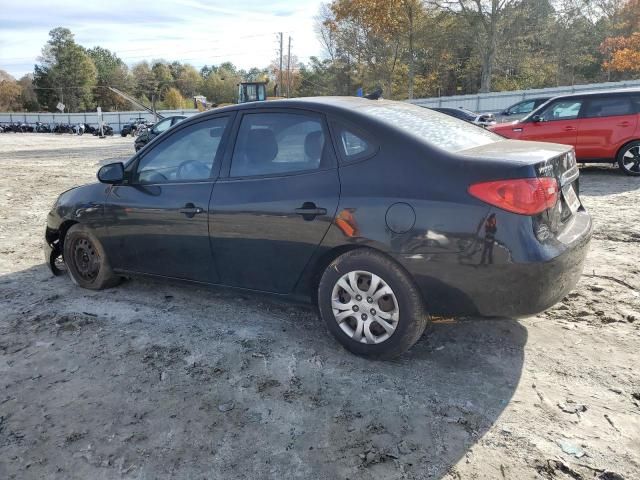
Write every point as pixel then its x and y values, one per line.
pixel 86 260
pixel 629 159
pixel 371 305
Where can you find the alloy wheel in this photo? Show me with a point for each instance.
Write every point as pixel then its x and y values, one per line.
pixel 365 307
pixel 631 159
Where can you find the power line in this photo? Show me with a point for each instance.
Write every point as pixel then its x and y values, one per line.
pixel 113 50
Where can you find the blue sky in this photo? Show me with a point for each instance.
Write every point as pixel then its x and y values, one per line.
pixel 194 31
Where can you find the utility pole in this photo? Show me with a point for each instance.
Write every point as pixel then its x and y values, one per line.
pixel 280 71
pixel 289 70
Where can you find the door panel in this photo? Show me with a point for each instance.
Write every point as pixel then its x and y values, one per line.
pixel 258 239
pixel 158 223
pixel 558 123
pixel 608 123
pixel 267 221
pixel 600 138
pixel 558 131
pixel 157 229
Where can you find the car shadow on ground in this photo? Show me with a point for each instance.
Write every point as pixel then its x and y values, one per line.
pixel 602 180
pixel 151 379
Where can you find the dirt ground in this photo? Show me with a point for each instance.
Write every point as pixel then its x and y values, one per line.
pixel 151 380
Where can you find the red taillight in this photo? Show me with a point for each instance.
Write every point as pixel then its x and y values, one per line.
pixel 526 196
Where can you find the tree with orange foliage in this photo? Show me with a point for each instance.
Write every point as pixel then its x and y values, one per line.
pixel 623 53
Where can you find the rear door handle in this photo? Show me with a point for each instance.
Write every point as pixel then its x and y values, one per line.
pixel 570 129
pixel 190 210
pixel 623 124
pixel 309 211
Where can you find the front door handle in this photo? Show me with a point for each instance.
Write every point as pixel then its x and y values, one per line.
pixel 570 129
pixel 623 124
pixel 190 210
pixel 309 211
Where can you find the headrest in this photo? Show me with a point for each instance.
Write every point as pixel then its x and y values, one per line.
pixel 313 144
pixel 262 146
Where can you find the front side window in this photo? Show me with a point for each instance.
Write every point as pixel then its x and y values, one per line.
pixel 609 107
pixel 561 110
pixel 186 155
pixel 162 126
pixel 278 143
pixel 522 107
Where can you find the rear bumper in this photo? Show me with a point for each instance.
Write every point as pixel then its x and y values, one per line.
pixel 453 284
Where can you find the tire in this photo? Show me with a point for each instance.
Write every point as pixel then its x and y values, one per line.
pixel 629 159
pixel 403 307
pixel 94 273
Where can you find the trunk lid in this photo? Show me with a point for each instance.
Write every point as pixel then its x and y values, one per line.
pixel 516 158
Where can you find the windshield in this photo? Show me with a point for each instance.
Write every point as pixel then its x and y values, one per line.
pixel 438 129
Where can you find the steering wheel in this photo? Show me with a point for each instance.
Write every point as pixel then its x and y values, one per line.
pixel 192 169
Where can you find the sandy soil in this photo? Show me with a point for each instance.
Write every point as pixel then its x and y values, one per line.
pixel 150 380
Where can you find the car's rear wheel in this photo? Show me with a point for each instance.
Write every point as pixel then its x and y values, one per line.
pixel 86 260
pixel 629 159
pixel 371 305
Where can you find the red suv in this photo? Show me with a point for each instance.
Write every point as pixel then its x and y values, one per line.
pixel 602 126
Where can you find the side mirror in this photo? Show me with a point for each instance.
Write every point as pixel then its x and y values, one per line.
pixel 536 119
pixel 111 173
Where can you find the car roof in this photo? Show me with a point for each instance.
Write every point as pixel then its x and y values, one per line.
pixel 598 93
pixel 313 103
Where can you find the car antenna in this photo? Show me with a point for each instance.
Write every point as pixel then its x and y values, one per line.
pixel 375 95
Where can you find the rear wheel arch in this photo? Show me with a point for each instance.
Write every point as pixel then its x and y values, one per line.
pixel 330 256
pixel 621 149
pixel 619 157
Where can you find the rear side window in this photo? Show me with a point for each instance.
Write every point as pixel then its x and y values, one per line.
pixel 352 144
pixel 278 143
pixel 609 107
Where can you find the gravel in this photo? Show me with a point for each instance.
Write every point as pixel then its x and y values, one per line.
pixel 153 380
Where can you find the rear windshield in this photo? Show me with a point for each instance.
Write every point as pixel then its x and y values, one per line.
pixel 438 129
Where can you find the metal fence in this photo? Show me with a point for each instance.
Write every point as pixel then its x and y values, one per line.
pixel 115 119
pixel 494 102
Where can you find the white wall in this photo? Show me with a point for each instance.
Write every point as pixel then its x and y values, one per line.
pixel 115 119
pixel 494 102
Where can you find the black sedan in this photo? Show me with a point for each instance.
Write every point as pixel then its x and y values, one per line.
pixel 381 212
pixel 481 119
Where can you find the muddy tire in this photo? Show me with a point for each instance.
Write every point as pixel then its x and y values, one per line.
pixel 86 260
pixel 371 305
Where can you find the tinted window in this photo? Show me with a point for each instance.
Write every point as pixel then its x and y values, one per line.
pixel 522 107
pixel 277 143
pixel 352 144
pixel 561 110
pixel 162 125
pixel 609 107
pixel 187 154
pixel 442 131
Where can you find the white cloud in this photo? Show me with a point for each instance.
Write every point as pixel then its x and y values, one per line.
pixel 194 31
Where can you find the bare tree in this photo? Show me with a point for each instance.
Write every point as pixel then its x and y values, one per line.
pixel 483 17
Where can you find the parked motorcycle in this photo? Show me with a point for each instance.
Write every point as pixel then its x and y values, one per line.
pixel 42 128
pixel 106 129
